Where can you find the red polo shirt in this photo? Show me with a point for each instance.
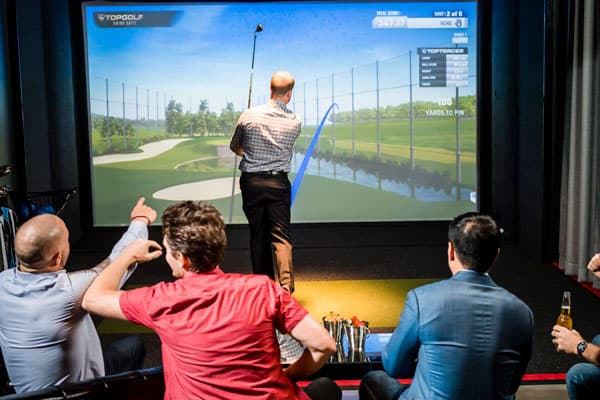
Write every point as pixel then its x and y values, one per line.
pixel 218 334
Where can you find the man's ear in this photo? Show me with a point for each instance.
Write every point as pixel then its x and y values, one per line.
pixel 184 260
pixel 57 258
pixel 451 253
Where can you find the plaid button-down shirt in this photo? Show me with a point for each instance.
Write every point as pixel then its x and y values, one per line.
pixel 266 135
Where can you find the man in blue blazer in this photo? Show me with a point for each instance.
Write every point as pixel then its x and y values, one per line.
pixel 469 338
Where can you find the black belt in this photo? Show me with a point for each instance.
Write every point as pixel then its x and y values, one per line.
pixel 272 172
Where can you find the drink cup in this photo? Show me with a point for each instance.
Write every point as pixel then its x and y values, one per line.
pixel 357 335
pixel 339 357
pixel 358 356
pixel 335 329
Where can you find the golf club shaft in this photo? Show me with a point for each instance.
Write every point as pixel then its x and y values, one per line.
pixel 235 158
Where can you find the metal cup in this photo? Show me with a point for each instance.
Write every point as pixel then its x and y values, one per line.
pixel 358 356
pixel 335 329
pixel 339 357
pixel 357 335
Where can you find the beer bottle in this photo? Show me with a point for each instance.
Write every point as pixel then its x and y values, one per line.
pixel 564 319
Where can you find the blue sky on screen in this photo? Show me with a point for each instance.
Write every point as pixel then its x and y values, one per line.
pixel 206 53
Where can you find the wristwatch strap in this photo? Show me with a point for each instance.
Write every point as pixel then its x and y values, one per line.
pixel 581 346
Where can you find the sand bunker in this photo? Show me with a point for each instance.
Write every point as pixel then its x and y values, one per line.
pixel 212 189
pixel 148 151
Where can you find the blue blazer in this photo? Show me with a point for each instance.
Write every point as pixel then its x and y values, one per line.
pixel 472 340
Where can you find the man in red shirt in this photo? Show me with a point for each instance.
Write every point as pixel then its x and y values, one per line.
pixel 217 330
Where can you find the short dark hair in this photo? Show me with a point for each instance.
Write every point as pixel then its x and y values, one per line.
pixel 476 240
pixel 196 230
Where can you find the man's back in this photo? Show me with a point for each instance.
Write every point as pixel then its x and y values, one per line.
pixel 218 334
pixel 46 337
pixel 270 131
pixel 473 339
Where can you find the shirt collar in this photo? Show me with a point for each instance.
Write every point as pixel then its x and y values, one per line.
pixel 216 271
pixel 470 275
pixel 278 104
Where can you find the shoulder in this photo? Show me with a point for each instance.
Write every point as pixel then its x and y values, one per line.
pixel 161 289
pixel 515 302
pixel 431 288
pixel 250 281
pixel 260 109
pixel 6 274
pixel 427 294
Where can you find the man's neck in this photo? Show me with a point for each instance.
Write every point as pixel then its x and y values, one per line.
pixel 280 99
pixel 467 270
pixel 51 268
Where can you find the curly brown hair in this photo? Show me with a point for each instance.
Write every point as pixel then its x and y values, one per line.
pixel 196 230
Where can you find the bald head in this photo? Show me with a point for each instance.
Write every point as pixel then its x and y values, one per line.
pixel 42 244
pixel 282 83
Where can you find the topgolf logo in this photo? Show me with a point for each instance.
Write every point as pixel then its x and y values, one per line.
pixel 135 19
pixel 121 19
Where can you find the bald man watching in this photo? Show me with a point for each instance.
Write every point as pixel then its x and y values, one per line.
pixel 264 137
pixel 46 337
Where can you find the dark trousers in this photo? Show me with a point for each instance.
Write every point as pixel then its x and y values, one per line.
pixel 323 389
pixel 266 203
pixel 124 354
pixel 377 385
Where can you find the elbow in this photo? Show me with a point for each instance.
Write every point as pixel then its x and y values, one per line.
pixel 388 365
pixel 331 346
pixel 87 303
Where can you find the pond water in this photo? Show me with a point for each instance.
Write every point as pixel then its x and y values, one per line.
pixel 340 171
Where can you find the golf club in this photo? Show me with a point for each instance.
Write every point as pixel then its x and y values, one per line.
pixel 259 28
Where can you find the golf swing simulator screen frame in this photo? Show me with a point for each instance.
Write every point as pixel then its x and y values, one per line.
pixel 386 92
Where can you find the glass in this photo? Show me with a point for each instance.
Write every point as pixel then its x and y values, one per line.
pixel 564 319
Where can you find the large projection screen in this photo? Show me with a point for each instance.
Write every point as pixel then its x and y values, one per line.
pixel 167 82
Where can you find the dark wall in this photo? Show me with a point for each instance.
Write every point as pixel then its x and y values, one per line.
pixel 514 128
pixel 50 139
pixel 520 144
pixel 532 195
pixel 505 115
pixel 7 136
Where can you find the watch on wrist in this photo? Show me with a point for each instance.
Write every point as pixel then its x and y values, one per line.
pixel 581 346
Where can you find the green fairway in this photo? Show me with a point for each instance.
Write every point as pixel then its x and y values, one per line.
pixel 437 133
pixel 368 195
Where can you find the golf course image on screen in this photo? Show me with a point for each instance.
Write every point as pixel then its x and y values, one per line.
pixel 386 92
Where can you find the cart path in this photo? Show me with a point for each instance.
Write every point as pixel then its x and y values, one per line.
pixel 149 150
pixel 211 189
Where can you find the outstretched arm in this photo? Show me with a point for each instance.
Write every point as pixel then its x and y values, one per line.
pixel 141 216
pixel 102 297
pixel 319 346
